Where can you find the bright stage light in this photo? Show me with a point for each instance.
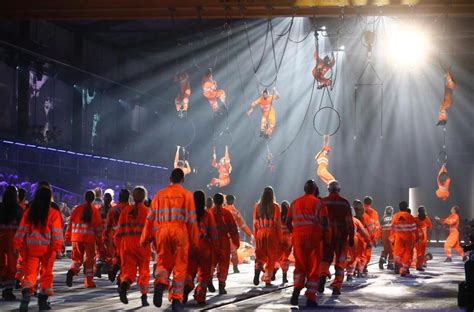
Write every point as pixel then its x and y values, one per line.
pixel 342 48
pixel 408 45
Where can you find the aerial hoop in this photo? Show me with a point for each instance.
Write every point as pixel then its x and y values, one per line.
pixel 315 126
pixel 442 158
pixel 186 126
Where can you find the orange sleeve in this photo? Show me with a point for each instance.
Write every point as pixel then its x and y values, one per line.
pixel 191 220
pixel 19 239
pixel 450 220
pixel 97 224
pixel 289 217
pixel 120 228
pixel 108 224
pixel 232 226
pixel 68 235
pixel 278 222
pixel 150 222
pixel 255 208
pixel 57 238
pixel 430 224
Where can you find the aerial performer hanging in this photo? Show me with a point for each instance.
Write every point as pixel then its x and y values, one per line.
pixel 182 99
pixel 443 181
pixel 322 160
pixel 323 66
pixel 267 123
pixel 182 164
pixel 212 94
pixel 449 86
pixel 223 167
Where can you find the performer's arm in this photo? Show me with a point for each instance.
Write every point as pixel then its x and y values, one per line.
pixel 214 157
pixel 176 157
pixel 276 95
pixel 252 106
pixel 226 155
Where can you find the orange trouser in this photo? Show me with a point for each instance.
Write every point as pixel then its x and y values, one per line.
pixel 19 266
pixel 222 260
pixel 234 257
pixel 387 252
pixel 324 174
pixel 84 253
pixel 135 257
pixel 420 253
pixel 7 264
pixel 172 245
pixel 453 242
pixel 307 252
pixel 356 256
pixel 338 248
pixel 200 264
pixel 31 267
pixel 284 261
pixel 111 252
pixel 403 251
pixel 267 123
pixel 368 254
pixel 222 181
pixel 267 252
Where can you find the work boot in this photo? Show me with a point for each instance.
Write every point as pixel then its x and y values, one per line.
pixel 236 269
pixel 176 305
pixel 122 290
pixel 311 304
pixel 321 284
pixel 144 300
pixel 349 278
pixel 158 295
pixel 43 304
pixel 186 292
pixel 448 259
pixel 390 266
pixel 17 284
pixel 98 270
pixel 7 294
pixel 295 296
pixel 113 273
pixel 269 285
pixel 274 274
pixel 365 270
pixel 25 299
pixel 381 262
pixel 397 269
pixel 222 290
pixel 336 291
pixel 420 269
pixel 256 277
pixel 210 286
pixel 285 279
pixel 70 274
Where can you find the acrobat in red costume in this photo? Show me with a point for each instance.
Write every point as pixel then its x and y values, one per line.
pixel 322 160
pixel 443 181
pixel 449 86
pixel 211 93
pixel 223 167
pixel 323 66
pixel 182 99
pixel 182 164
pixel 268 121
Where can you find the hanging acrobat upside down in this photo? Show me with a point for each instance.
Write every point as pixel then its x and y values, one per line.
pixel 323 66
pixel 223 167
pixel 182 99
pixel 322 160
pixel 267 123
pixel 182 164
pixel 211 93
pixel 443 181
pixel 449 86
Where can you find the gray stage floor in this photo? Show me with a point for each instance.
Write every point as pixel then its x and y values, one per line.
pixel 434 289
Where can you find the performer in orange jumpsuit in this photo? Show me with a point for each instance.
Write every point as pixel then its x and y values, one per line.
pixel 267 229
pixel 322 160
pixel 356 257
pixel 267 123
pixel 212 94
pixel 10 216
pixel 40 236
pixel 449 86
pixel 285 246
pixel 342 237
pixel 84 230
pixel 307 220
pixel 226 228
pixel 181 164
pixel 374 229
pixel 443 181
pixel 323 66
pixel 452 241
pixel 200 256
pixel 424 224
pixel 133 256
pixel 113 254
pixel 404 233
pixel 172 221
pixel 230 199
pixel 223 167
pixel 182 99
pixel 387 253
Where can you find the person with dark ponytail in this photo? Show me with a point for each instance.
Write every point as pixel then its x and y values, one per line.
pixel 10 215
pixel 40 237
pixel 423 222
pixel 85 232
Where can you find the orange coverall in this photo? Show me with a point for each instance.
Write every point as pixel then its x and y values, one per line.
pixel 200 257
pixel 449 86
pixel 267 241
pixel 224 168
pixel 226 228
pixel 356 256
pixel 127 239
pixel 172 220
pixel 423 227
pixel 242 226
pixel 373 228
pixel 404 234
pixel 305 219
pixel 84 238
pixel 40 245
pixel 211 93
pixel 285 249
pixel 112 254
pixel 182 99
pixel 320 71
pixel 268 121
pixel 387 252
pixel 443 187
pixel 8 259
pixel 322 160
pixel 452 241
pixel 341 228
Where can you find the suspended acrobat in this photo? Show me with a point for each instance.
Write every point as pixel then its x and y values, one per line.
pixel 182 164
pixel 182 99
pixel 322 160
pixel 449 86
pixel 323 66
pixel 223 167
pixel 443 181
pixel 212 94
pixel 268 121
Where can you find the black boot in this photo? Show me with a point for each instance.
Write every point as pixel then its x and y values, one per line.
pixel 448 259
pixel 25 299
pixel 144 300
pixel 70 274
pixel 390 266
pixel 222 290
pixel 295 296
pixel 43 304
pixel 336 291
pixel 397 269
pixel 321 284
pixel 158 295
pixel 349 278
pixel 311 304
pixel 7 294
pixel 274 274
pixel 122 290
pixel 381 263
pixel 113 273
pixel 98 270
pixel 256 277
pixel 17 284
pixel 176 305
pixel 186 292
pixel 236 269
pixel 210 286
pixel 285 279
